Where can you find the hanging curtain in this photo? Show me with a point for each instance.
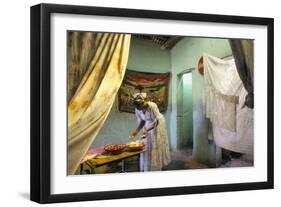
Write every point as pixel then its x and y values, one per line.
pixel 221 87
pixel 243 53
pixel 242 140
pixel 96 67
pixel 81 50
pixel 231 124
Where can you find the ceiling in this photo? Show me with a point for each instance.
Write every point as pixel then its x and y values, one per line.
pixel 163 41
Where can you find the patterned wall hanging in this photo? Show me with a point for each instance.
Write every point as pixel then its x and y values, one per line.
pixel 156 85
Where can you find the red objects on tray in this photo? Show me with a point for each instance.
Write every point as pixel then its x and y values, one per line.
pixel 115 148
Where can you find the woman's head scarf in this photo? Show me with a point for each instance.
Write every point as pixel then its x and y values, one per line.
pixel 139 98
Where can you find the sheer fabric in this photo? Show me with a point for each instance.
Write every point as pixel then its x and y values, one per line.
pixel 221 87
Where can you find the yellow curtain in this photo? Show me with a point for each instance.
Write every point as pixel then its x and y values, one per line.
pixel 91 100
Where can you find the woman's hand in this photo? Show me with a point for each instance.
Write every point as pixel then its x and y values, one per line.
pixel 144 134
pixel 133 134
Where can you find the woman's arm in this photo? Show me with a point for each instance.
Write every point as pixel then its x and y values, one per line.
pixel 152 126
pixel 156 114
pixel 141 124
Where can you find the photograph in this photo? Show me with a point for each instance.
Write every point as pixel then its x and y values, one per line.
pixel 129 103
pixel 152 102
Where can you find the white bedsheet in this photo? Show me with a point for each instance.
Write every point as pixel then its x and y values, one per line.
pixel 232 124
pixel 241 140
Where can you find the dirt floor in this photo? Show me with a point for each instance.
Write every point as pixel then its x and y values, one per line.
pixel 180 160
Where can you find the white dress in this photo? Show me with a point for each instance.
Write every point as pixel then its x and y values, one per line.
pixel 157 152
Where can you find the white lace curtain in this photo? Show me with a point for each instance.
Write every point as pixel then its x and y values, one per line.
pixel 222 86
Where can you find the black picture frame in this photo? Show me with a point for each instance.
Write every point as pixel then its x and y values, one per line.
pixel 41 102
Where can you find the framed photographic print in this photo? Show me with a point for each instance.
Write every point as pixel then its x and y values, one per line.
pixel 133 103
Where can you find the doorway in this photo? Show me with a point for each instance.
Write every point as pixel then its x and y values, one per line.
pixel 184 111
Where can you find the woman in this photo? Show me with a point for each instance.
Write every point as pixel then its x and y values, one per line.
pixel 153 126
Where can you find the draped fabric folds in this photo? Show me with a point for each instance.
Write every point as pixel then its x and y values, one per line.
pixel 96 67
pixel 243 53
pixel 222 86
pixel 231 124
pixel 242 140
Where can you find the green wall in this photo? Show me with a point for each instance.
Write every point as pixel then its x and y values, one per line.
pixel 148 57
pixel 143 56
pixel 185 55
pixel 187 112
pixel 184 112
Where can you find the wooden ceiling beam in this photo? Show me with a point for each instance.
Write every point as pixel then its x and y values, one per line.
pixel 164 42
pixel 171 42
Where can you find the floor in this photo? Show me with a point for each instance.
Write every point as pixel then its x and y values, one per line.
pixel 183 160
pixel 237 162
pixel 180 160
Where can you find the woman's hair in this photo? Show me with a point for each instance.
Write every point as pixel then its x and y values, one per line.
pixel 138 103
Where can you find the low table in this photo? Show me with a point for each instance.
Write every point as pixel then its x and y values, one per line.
pixel 97 162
